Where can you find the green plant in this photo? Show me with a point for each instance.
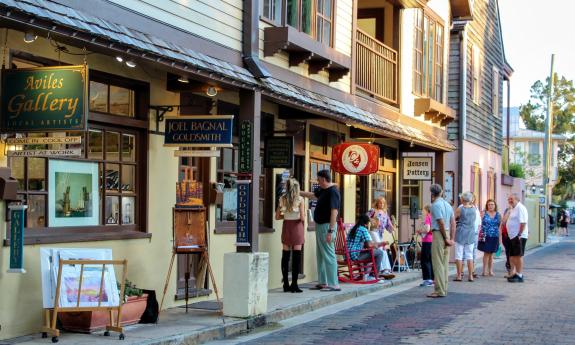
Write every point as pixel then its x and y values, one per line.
pixel 130 289
pixel 516 170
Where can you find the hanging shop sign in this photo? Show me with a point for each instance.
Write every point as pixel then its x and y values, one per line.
pixel 245 150
pixel 199 131
pixel 76 152
pixel 243 213
pixel 355 158
pixel 279 152
pixel 45 141
pixel 44 99
pixel 17 238
pixel 417 168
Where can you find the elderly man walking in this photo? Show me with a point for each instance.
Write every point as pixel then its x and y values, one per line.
pixel 443 227
pixel 518 232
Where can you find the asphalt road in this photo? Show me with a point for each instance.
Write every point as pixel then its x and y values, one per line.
pixel 487 311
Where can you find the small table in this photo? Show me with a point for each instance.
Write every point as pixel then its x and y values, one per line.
pixel 401 257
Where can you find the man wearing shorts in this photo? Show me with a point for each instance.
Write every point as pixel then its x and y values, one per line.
pixel 518 232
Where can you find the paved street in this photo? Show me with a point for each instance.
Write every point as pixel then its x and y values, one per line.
pixel 487 311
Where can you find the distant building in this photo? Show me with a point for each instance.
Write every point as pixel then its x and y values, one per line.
pixel 526 148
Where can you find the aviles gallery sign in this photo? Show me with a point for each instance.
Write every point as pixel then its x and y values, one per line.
pixel 44 99
pixel 199 131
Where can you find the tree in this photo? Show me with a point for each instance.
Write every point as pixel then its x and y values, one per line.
pixel 535 111
pixel 534 114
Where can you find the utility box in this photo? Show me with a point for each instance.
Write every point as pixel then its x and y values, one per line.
pixel 8 185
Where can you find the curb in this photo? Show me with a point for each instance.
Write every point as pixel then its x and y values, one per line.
pixel 235 328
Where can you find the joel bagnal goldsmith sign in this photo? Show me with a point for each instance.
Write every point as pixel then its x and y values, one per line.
pixel 44 99
pixel 199 131
pixel 243 213
pixel 417 168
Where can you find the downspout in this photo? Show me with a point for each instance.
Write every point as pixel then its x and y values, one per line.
pixel 250 39
pixel 462 104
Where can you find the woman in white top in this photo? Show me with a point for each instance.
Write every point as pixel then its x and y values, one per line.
pixel 291 210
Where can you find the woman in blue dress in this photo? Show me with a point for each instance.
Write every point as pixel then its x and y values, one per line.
pixel 489 235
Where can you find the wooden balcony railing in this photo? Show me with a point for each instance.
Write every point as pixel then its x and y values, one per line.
pixel 376 68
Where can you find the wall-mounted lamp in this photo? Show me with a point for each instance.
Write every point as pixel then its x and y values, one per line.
pixel 211 91
pixel 411 144
pixel 348 124
pixel 184 79
pixel 119 58
pixel 130 63
pixel 30 37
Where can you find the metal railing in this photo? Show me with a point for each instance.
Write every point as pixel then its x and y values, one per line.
pixel 376 68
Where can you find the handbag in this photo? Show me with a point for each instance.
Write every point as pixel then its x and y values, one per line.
pixel 498 252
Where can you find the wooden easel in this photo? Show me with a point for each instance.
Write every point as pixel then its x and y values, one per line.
pixel 50 318
pixel 189 233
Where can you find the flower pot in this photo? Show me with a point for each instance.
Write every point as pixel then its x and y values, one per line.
pixel 91 321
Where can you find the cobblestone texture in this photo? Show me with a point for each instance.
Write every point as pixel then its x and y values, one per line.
pixel 487 311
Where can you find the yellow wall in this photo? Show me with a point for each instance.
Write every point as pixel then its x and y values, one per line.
pixel 216 20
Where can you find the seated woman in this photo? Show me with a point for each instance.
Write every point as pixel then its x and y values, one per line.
pixel 359 238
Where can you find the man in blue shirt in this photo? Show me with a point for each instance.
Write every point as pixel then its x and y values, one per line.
pixel 442 221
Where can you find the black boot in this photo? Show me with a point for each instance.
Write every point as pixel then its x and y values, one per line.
pixel 285 270
pixel 295 269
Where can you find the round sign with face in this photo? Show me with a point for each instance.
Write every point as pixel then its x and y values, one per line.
pixel 354 158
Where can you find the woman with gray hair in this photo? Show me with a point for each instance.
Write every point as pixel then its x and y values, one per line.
pixel 465 236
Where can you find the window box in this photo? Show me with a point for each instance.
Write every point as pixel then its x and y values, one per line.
pixel 303 48
pixel 434 110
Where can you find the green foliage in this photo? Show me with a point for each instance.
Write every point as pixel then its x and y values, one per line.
pixel 516 170
pixel 565 187
pixel 131 290
pixel 535 111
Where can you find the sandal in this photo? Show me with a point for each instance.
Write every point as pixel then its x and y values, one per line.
pixel 318 287
pixel 434 295
pixel 329 289
pixel 457 279
pixel 470 280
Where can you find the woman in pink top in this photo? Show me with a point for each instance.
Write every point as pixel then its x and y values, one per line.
pixel 427 239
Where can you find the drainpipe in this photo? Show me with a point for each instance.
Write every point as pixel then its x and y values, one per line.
pixel 462 104
pixel 250 39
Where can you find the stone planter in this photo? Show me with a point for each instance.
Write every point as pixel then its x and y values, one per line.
pixel 92 321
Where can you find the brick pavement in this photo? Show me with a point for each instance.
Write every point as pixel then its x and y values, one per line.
pixel 487 311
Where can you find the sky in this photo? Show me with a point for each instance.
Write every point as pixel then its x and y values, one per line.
pixel 532 31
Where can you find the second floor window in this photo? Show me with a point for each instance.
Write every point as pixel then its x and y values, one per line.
pixel 495 92
pixel 428 51
pixel 313 17
pixel 475 74
pixel 534 156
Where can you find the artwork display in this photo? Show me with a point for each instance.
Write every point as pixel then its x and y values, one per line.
pixel 73 197
pixel 70 281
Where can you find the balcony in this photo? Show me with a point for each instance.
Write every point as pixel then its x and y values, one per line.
pixel 376 68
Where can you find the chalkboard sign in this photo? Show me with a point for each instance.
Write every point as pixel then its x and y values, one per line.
pixel 278 152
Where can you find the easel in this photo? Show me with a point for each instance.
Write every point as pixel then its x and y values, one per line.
pixel 189 233
pixel 50 318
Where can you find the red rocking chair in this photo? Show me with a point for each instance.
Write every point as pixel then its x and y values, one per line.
pixel 353 271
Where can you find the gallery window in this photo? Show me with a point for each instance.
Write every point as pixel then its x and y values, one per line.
pixel 428 51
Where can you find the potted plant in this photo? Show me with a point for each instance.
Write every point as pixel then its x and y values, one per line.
pixel 135 302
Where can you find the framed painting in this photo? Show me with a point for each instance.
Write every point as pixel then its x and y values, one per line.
pixel 73 193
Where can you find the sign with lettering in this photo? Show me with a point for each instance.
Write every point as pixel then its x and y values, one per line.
pixel 199 131
pixel 448 186
pixel 44 99
pixel 44 141
pixel 77 152
pixel 355 158
pixel 245 152
pixel 243 213
pixel 417 168
pixel 17 238
pixel 278 152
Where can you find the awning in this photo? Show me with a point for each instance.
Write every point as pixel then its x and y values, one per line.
pixel 95 32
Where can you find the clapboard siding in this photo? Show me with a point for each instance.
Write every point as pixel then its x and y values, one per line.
pixel 454 84
pixel 483 127
pixel 219 21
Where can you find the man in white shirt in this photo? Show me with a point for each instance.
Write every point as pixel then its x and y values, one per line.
pixel 518 232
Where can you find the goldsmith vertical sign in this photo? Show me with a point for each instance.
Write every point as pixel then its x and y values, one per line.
pixel 17 239
pixel 243 213
pixel 246 135
pixel 44 99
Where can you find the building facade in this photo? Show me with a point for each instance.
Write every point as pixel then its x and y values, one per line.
pixel 367 71
pixel 477 71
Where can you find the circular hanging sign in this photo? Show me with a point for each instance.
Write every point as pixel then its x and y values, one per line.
pixel 355 158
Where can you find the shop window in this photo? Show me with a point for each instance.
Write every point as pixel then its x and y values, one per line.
pixel 112 99
pixel 382 185
pixel 491 185
pixel 475 183
pixel 409 188
pixel 227 167
pixel 321 143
